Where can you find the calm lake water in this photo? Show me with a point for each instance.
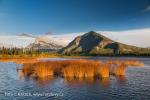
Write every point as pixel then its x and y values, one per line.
pixel 134 86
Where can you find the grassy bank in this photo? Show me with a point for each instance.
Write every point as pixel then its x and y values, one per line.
pixel 20 59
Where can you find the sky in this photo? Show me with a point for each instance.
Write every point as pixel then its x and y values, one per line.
pixel 69 16
pixel 126 21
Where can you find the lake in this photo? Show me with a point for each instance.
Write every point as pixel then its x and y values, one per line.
pixel 135 85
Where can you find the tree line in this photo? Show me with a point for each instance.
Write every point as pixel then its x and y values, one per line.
pixel 17 51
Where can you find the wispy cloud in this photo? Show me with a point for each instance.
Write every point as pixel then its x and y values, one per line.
pixel 137 37
pixel 147 9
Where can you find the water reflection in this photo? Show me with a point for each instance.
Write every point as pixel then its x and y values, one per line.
pixel 43 81
pixel 121 79
pixel 135 85
pixel 105 82
pixel 77 72
pixel 78 81
pixel 20 74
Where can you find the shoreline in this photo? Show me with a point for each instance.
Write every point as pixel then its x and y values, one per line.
pixel 32 59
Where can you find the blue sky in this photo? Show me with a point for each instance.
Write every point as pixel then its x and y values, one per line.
pixel 68 16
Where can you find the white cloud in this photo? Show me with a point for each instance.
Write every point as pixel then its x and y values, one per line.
pixel 137 37
pixel 17 41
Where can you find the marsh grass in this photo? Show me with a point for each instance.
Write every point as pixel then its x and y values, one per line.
pixel 27 69
pixel 65 68
pixel 20 60
pixel 103 70
pixel 81 68
pixel 120 70
pixel 133 63
pixel 118 67
pixel 77 69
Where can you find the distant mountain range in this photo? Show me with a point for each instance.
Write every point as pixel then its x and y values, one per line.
pixel 94 44
pixel 91 43
pixel 44 43
pixel 27 35
pixel 28 41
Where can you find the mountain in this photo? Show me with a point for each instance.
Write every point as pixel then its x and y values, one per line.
pixel 27 35
pixel 29 41
pixel 93 43
pixel 44 43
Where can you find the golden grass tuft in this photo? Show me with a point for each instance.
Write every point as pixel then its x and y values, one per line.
pixel 134 63
pixel 120 70
pixel 20 60
pixel 104 70
pixel 28 69
pixel 41 70
pixel 79 69
pixel 118 67
pixel 66 68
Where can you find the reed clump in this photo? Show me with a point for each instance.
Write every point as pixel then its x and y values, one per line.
pixel 27 69
pixel 66 68
pixel 79 69
pixel 120 70
pixel 103 70
pixel 41 70
pixel 116 67
pixel 134 63
pixel 126 62
pixel 20 60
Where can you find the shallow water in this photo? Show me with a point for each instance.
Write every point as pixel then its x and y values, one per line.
pixel 134 86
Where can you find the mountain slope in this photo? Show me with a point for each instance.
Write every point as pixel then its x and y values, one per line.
pixel 96 44
pixel 44 43
pixel 27 35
